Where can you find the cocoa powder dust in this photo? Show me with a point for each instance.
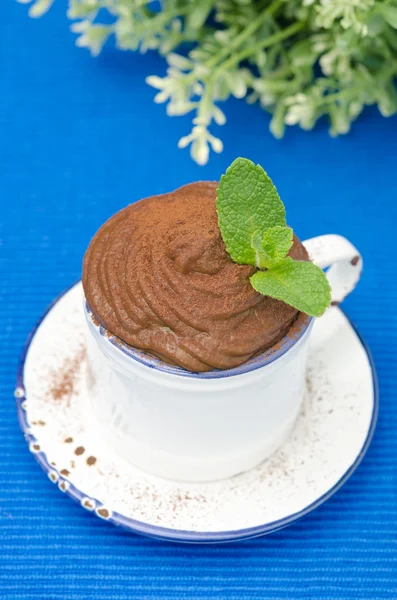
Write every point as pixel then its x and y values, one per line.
pixel 63 380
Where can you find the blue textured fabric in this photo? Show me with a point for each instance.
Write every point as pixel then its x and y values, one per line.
pixel 79 139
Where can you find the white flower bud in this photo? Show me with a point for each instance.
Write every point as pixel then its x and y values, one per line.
pixel 292 117
pixel 185 141
pixel 219 115
pixel 178 61
pixel 216 144
pixel 199 151
pixel 156 82
pixel 161 97
pixel 40 7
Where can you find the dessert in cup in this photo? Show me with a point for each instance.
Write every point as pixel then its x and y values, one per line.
pixel 199 306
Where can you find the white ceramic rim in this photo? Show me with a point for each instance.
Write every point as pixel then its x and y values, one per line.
pixel 285 345
pixel 178 535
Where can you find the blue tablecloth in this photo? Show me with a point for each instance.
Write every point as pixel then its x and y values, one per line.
pixel 79 139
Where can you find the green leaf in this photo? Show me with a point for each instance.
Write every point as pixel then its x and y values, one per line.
pixel 199 14
pixel 300 284
pixel 277 241
pixel 389 13
pixel 247 204
pixel 273 246
pixel 262 259
pixel 387 99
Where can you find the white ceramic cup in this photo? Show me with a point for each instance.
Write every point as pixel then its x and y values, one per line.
pixel 207 426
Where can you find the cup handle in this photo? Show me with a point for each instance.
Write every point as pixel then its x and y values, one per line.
pixel 341 258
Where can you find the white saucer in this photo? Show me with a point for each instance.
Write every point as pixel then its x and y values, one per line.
pixel 330 438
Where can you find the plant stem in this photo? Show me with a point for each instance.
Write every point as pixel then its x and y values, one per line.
pixel 281 72
pixel 330 98
pixel 273 39
pixel 245 34
pixel 202 113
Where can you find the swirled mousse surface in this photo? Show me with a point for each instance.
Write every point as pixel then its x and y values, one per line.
pixel 158 276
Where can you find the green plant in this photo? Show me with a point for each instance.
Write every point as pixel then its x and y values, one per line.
pixel 300 59
pixel 251 218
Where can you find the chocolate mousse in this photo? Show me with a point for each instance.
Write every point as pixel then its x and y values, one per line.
pixel 157 275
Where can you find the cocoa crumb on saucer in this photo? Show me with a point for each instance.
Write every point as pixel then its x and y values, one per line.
pixel 62 384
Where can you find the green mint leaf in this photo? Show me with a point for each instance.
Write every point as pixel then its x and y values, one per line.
pixel 277 241
pixel 300 284
pixel 273 246
pixel 247 204
pixel 262 259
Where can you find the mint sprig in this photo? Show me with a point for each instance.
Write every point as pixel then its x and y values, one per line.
pixel 251 218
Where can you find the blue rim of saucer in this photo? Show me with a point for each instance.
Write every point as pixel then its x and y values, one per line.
pixel 179 535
